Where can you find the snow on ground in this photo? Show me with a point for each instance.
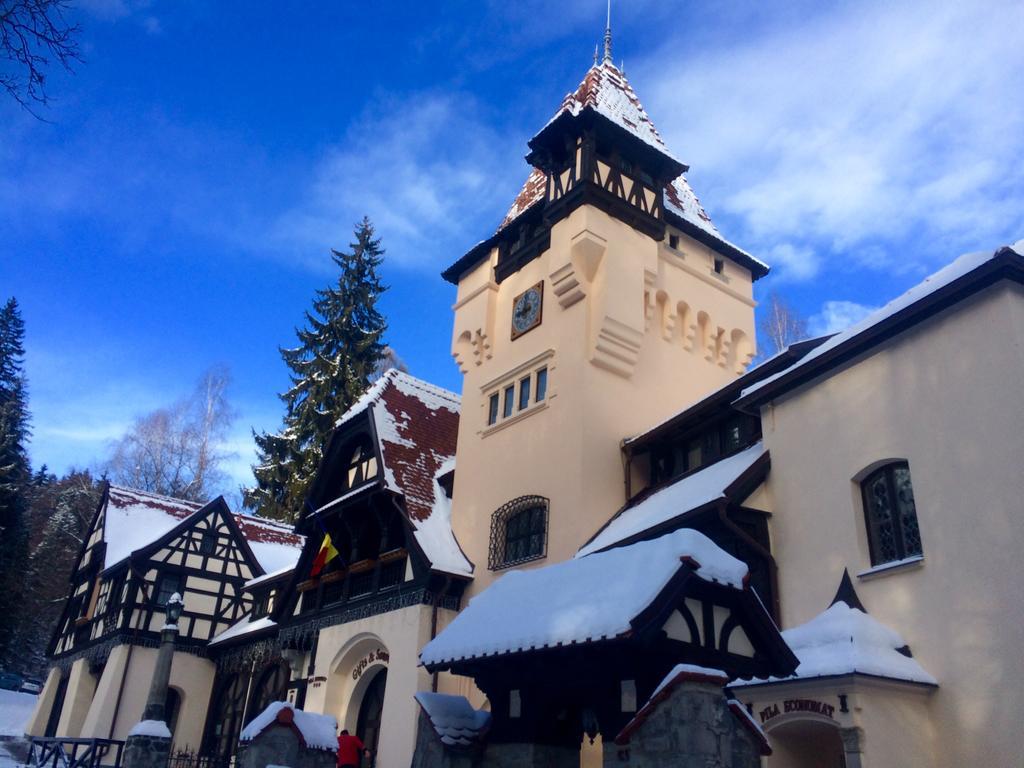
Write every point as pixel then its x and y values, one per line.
pixel 15 710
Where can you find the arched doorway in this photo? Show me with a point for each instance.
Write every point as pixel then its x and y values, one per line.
pixel 806 743
pixel 370 711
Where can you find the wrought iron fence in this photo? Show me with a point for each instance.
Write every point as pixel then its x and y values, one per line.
pixel 56 752
pixel 186 758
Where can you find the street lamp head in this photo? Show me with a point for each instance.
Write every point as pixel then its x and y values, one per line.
pixel 174 608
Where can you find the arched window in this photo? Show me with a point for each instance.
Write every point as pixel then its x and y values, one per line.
pixel 890 514
pixel 172 708
pixel 519 532
pixel 225 718
pixel 361 464
pixel 271 686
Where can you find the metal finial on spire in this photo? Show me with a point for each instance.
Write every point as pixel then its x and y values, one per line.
pixel 597 48
pixel 608 36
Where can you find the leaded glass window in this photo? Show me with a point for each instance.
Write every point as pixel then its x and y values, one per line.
pixel 890 514
pixel 519 532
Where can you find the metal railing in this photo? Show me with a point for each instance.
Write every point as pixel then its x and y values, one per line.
pixel 57 752
pixel 186 758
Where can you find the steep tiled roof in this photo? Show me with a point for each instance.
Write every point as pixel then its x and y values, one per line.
pixel 417 425
pixel 531 194
pixel 606 90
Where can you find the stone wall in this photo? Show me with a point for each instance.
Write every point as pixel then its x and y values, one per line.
pixel 692 728
pixel 281 744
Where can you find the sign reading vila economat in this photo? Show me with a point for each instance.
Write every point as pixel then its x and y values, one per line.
pixel 378 655
pixel 797 705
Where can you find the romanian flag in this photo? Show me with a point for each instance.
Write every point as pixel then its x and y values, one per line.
pixel 324 556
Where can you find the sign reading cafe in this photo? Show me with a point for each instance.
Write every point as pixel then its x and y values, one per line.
pixel 378 655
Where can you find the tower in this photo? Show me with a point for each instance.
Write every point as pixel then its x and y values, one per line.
pixel 605 301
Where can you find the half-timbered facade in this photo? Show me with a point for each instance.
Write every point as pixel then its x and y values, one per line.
pixel 140 550
pixel 351 632
pixel 617 494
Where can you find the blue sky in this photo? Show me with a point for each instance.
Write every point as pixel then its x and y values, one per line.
pixel 178 209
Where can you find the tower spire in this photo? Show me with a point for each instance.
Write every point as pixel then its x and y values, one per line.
pixel 608 35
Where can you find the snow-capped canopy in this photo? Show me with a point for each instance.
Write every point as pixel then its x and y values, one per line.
pixel 417 427
pixel 902 305
pixel 318 731
pixel 453 718
pixel 582 600
pixel 847 641
pixel 243 628
pixel 692 491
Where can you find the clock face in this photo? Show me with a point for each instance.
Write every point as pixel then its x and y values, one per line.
pixel 526 310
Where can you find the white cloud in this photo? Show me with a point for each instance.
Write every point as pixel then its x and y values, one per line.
pixel 869 125
pixel 428 171
pixel 837 316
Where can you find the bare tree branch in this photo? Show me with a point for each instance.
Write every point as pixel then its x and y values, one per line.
pixel 33 35
pixel 178 451
pixel 781 325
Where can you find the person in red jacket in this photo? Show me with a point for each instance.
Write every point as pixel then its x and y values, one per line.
pixel 350 750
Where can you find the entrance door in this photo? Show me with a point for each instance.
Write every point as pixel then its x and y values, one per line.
pixel 370 710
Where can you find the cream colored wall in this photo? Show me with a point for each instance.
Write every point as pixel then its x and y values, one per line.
pixel 100 717
pixel 944 396
pixel 622 358
pixel 401 633
pixel 81 687
pixel 41 714
pixel 191 675
pixel 893 720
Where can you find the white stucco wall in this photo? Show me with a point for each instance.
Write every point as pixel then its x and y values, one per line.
pixel 946 397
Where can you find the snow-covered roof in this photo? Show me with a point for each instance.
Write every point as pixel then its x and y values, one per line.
pixel 606 90
pixel 903 303
pixel 846 641
pixel 417 425
pixel 690 492
pixel 681 200
pixel 533 192
pixel 582 600
pixel 243 627
pixel 271 576
pixel 274 544
pixel 454 720
pixel 134 519
pixel 318 731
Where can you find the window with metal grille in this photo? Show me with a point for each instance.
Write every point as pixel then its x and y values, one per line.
pixel 519 532
pixel 890 514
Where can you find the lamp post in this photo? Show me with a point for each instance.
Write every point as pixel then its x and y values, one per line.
pixel 149 742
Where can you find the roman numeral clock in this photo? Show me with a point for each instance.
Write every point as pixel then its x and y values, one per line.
pixel 527 309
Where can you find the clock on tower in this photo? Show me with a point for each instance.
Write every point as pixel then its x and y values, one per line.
pixel 527 309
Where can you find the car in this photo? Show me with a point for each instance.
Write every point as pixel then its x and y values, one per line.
pixel 30 685
pixel 9 681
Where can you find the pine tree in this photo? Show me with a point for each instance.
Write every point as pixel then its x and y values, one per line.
pixel 339 350
pixel 58 516
pixel 15 473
